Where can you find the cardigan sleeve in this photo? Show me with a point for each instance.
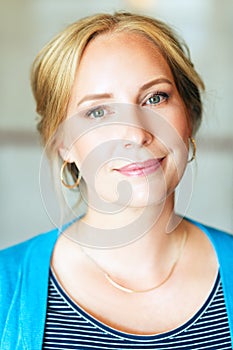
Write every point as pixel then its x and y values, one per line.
pixel 10 284
pixel 223 245
pixel 23 292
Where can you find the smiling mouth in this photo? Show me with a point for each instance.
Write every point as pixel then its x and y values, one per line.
pixel 141 168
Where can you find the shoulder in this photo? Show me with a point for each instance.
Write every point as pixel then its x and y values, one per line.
pixel 221 240
pixel 12 258
pixel 23 275
pixel 211 231
pixel 215 232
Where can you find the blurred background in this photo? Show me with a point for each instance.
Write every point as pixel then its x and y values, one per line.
pixel 26 25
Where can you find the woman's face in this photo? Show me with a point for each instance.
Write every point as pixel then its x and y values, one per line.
pixel 130 125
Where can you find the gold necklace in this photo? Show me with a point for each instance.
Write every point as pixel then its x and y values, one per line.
pixel 130 290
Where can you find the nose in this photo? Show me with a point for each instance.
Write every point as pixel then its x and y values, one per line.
pixel 136 125
pixel 137 136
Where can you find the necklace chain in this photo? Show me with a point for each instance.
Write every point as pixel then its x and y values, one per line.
pixel 130 290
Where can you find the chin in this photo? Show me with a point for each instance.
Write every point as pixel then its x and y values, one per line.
pixel 138 192
pixel 155 200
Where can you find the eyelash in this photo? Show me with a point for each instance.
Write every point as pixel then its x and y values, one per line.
pixel 106 110
pixel 89 113
pixel 164 95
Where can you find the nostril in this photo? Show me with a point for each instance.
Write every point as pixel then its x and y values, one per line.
pixel 148 139
pixel 128 145
pixel 137 137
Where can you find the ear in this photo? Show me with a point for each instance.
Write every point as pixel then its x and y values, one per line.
pixel 65 154
pixel 189 124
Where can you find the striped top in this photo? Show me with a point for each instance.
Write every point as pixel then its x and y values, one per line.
pixel 68 326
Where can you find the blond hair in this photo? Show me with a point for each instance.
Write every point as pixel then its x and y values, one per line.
pixel 54 68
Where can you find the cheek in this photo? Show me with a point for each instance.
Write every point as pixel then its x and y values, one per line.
pixel 180 123
pixel 92 150
pixel 173 132
pixel 183 127
pixel 176 141
pixel 181 120
pixel 82 148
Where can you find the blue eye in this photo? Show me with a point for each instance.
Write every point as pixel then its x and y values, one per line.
pixel 95 113
pixel 100 112
pixel 157 98
pixel 153 100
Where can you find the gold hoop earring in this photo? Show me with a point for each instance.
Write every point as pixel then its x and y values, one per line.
pixel 194 147
pixel 62 178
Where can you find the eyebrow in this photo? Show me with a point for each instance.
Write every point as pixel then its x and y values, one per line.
pixel 145 86
pixel 154 82
pixel 93 97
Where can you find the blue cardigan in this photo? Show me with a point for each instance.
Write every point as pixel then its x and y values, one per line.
pixel 24 274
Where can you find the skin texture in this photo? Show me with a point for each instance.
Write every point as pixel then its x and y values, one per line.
pixel 116 67
pixel 110 75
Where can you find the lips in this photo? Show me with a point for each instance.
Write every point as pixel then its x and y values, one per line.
pixel 141 168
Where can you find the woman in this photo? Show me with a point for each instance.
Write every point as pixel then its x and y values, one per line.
pixel 119 101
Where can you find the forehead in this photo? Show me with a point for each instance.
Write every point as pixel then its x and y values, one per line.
pixel 118 63
pixel 122 48
pixel 123 37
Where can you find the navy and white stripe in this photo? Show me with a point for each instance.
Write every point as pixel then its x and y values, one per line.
pixel 69 327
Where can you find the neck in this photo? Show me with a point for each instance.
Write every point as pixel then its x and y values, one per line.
pixel 159 215
pixel 147 250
